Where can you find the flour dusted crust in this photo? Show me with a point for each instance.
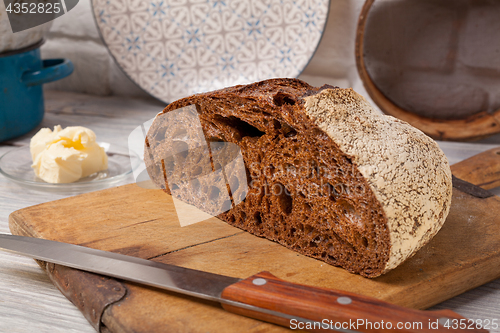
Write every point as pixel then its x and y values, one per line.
pixel 406 170
pixel 327 175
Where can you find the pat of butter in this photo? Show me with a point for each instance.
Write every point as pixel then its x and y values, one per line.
pixel 66 155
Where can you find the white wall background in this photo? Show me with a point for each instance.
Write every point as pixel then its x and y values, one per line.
pixel 75 36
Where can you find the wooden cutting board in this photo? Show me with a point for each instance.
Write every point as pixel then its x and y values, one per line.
pixel 142 222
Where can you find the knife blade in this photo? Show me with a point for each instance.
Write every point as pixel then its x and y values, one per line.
pixel 261 296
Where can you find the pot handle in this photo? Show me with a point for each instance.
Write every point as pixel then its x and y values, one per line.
pixel 52 70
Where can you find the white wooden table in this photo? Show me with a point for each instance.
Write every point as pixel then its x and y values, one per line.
pixel 28 300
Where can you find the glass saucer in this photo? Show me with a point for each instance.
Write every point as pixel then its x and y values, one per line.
pixel 15 165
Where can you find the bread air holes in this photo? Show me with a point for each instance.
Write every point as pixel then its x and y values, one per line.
pixel 196 172
pixel 180 148
pixel 350 213
pixel 180 134
pixel 287 130
pixel 195 185
pixel 308 230
pixel 242 127
pixel 333 192
pixel 345 207
pixel 332 259
pixel 213 193
pixel 316 241
pixel 168 165
pixel 234 183
pixel 257 219
pixel 285 200
pixel 281 99
pixel 276 124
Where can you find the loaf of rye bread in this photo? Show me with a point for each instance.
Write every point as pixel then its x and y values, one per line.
pixel 327 175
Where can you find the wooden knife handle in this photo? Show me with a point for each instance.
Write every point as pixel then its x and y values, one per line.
pixel 334 309
pixel 482 169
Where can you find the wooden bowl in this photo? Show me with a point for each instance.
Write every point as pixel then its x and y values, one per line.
pixel 435 70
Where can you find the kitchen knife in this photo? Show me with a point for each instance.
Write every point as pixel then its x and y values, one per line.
pixel 262 296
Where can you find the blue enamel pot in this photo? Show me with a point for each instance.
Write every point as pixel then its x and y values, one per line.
pixel 22 74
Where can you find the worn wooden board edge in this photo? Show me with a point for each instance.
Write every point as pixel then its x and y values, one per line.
pixel 83 295
pixel 154 202
pixel 114 317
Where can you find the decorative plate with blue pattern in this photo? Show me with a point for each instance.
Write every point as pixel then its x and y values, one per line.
pixel 176 48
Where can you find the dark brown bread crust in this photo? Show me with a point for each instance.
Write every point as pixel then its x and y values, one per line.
pixel 304 193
